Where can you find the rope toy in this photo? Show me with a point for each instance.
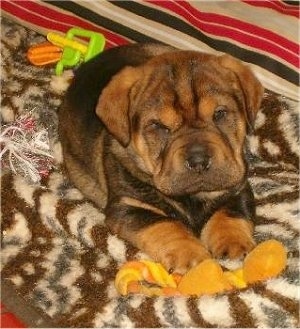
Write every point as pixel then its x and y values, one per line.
pixel 149 278
pixel 25 149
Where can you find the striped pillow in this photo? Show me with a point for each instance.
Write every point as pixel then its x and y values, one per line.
pixel 261 33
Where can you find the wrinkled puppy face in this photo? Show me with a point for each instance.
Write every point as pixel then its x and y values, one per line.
pixel 186 119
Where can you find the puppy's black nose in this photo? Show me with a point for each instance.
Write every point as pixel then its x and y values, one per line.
pixel 198 158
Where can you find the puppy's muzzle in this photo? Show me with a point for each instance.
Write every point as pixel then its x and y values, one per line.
pixel 197 158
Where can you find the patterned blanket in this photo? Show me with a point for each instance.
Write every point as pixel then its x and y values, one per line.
pixel 61 260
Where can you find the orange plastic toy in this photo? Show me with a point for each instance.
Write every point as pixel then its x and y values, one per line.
pixel 265 261
pixel 44 53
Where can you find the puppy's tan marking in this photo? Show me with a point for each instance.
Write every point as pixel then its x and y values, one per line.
pixel 225 235
pixel 170 118
pixel 171 244
pixel 206 107
pixel 139 204
pixel 142 150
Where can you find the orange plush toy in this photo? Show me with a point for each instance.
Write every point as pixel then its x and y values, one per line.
pixel 265 261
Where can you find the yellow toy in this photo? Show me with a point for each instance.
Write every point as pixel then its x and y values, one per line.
pixel 265 261
pixel 62 42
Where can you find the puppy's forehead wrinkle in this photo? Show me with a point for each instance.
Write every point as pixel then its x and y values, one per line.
pixel 179 85
pixel 185 96
pixel 195 96
pixel 192 81
pixel 141 90
pixel 171 70
pixel 149 90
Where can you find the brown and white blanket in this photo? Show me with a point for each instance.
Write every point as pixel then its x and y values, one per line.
pixel 59 260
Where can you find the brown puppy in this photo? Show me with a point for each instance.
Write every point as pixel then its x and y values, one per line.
pixel 156 137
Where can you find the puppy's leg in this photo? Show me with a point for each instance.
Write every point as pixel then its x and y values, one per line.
pixel 149 229
pixel 225 235
pixel 84 182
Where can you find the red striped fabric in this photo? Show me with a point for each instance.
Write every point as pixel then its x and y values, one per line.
pixel 217 25
pixel 267 42
pixel 277 5
pixel 228 27
pixel 240 25
pixel 51 19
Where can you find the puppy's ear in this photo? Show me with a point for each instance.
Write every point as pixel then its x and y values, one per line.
pixel 251 87
pixel 113 104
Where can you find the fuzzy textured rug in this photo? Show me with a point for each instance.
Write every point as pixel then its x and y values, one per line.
pixel 59 257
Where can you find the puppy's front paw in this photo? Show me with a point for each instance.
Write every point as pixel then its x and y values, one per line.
pixel 181 255
pixel 231 246
pixel 171 244
pixel 229 237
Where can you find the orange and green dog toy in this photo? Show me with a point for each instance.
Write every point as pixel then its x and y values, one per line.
pixel 66 51
pixel 265 261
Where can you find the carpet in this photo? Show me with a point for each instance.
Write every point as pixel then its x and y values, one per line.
pixel 59 259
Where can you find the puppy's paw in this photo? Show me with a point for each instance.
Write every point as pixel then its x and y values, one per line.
pixel 171 244
pixel 228 237
pixel 181 255
pixel 231 246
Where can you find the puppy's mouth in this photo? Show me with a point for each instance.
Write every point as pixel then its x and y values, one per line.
pixel 182 185
pixel 197 169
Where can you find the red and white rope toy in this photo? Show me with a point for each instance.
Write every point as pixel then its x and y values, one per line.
pixel 25 148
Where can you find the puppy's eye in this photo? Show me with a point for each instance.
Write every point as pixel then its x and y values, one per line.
pixel 220 113
pixel 158 126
